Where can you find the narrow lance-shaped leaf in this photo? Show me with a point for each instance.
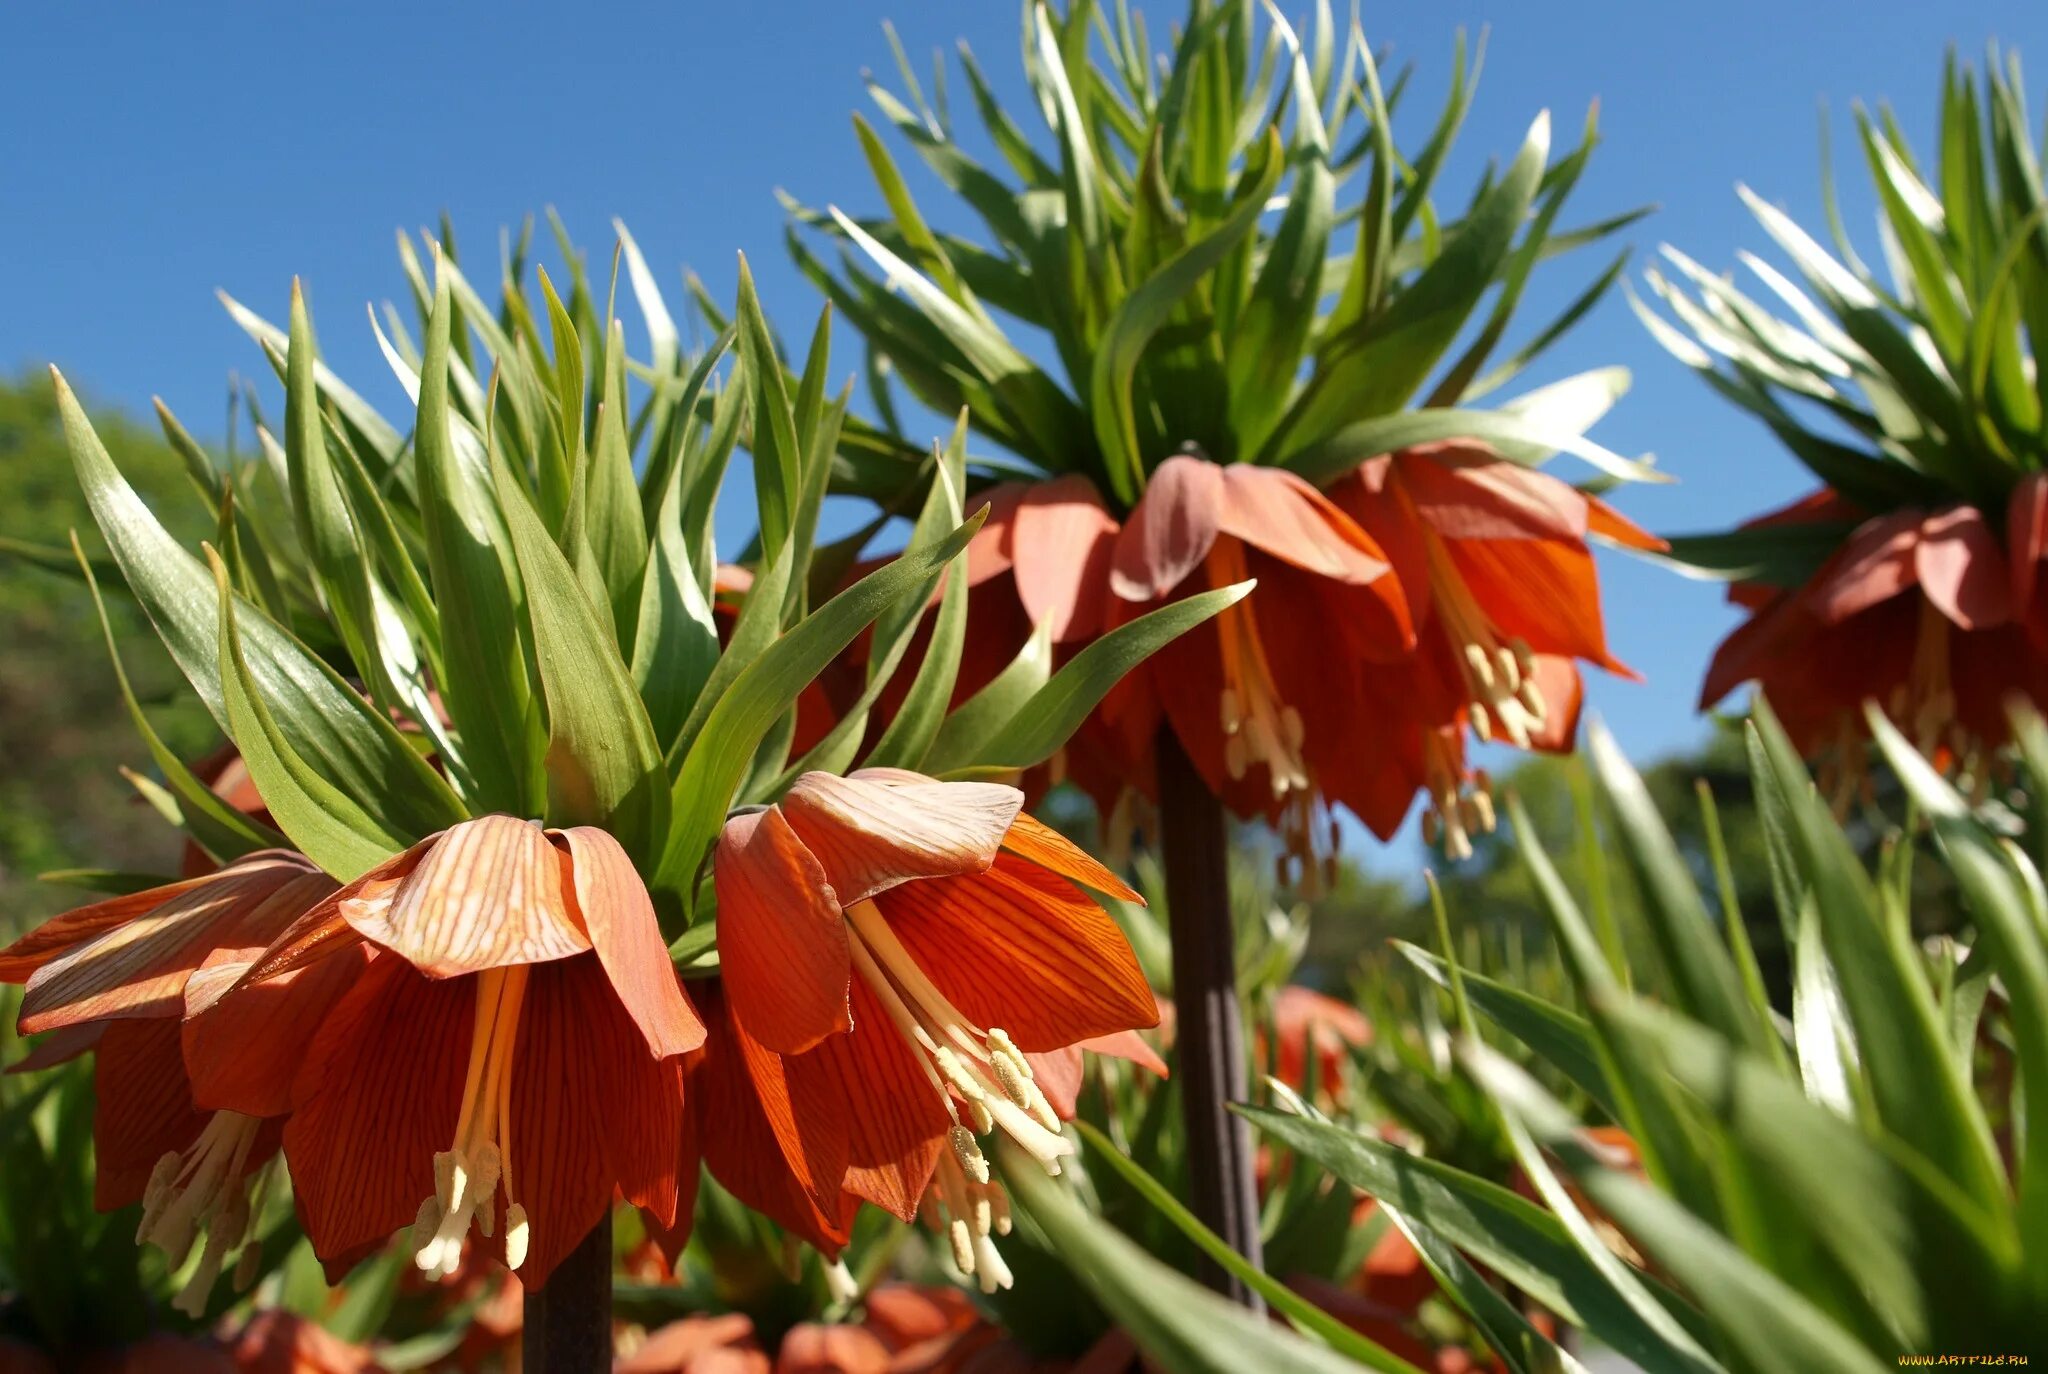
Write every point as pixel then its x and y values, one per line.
pixel 469 552
pixel 353 745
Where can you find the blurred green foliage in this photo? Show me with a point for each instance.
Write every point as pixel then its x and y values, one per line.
pixel 63 734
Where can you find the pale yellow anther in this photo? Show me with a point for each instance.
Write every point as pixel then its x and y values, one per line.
pixel 470 1174
pixel 516 1235
pixel 972 1162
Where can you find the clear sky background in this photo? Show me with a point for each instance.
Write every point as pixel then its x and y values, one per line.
pixel 151 153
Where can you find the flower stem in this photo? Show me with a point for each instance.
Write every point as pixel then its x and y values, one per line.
pixel 1209 1033
pixel 569 1322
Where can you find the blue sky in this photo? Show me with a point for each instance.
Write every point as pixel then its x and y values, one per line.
pixel 152 153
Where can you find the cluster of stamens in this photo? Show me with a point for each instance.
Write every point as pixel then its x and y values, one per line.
pixel 205 1187
pixel 970 1209
pixel 979 1074
pixel 1501 696
pixel 1460 806
pixel 1258 727
pixel 471 1172
pixel 1309 844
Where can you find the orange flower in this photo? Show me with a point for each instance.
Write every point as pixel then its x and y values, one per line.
pixel 698 1345
pixel 906 964
pixel 1924 612
pixel 278 1342
pixel 1304 1023
pixel 1500 582
pixel 113 977
pixel 1265 697
pixel 492 1034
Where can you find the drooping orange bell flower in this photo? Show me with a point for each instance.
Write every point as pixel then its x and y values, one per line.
pixel 1928 613
pixel 495 1038
pixel 1495 562
pixel 112 977
pixel 1265 697
pixel 907 965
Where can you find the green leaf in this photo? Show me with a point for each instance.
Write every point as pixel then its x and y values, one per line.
pixel 1145 310
pixel 325 528
pixel 1376 365
pixel 1180 1325
pixel 603 765
pixel 354 747
pixel 1306 1316
pixel 916 723
pixel 1774 555
pixel 1057 709
pixel 733 729
pixel 980 716
pixel 220 829
pixel 1556 1036
pixel 1509 1234
pixel 1513 436
pixel 1917 1088
pixel 487 691
pixel 612 521
pixel 1771 1327
pixel 324 823
pixel 1703 974
pixel 1996 897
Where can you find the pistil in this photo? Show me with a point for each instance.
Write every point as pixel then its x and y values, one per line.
pixel 987 1075
pixel 1258 727
pixel 471 1172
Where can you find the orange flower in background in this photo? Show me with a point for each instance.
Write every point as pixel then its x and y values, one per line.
pixel 906 965
pixel 113 977
pixel 279 1342
pixel 1495 562
pixel 485 1029
pixel 1305 1023
pixel 697 1345
pixel 1928 613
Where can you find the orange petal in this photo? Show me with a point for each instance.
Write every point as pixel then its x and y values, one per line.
pixel 243 1048
pixel 60 1047
pixel 1129 1046
pixel 74 928
pixel 781 936
pixel 1031 838
pixel 377 1096
pixel 1963 570
pixel 1611 525
pixel 613 906
pixel 2026 538
pixel 1467 491
pixel 682 1345
pixel 486 894
pixel 1018 947
pixel 564 1109
pixel 1541 591
pixel 893 1140
pixel 989 553
pixel 1171 531
pixel 139 968
pixel 870 835
pixel 1563 692
pixel 1277 512
pixel 814 1348
pixel 741 1094
pixel 1875 563
pixel 1062 541
pixel 1058 1075
pixel 143 1110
